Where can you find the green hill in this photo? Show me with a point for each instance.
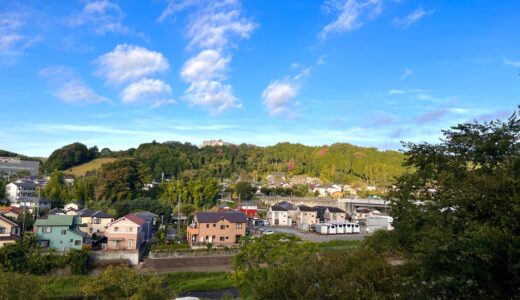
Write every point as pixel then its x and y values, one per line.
pixel 90 166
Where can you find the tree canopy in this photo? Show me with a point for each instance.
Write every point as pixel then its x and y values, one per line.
pixel 456 216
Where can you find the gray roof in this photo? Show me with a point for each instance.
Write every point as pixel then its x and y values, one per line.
pixel 85 212
pixel 214 217
pixel 278 208
pixel 26 185
pixel 306 208
pixel 146 215
pixel 101 215
pixel 286 205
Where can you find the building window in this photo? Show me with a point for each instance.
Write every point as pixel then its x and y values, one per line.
pixel 222 238
pixel 129 244
pixel 63 232
pixel 77 243
pixel 207 237
pixel 46 229
pixel 239 225
pixel 2 230
pixel 116 229
pixel 222 226
pixel 207 225
pixel 214 225
pixel 129 229
pixel 71 240
pixel 97 221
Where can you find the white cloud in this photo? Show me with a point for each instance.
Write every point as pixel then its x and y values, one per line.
pixel 396 92
pixel 214 95
pixel 412 17
pixel 211 26
pixel 514 63
pixel 351 14
pixel 129 62
pixel 146 90
pixel 321 60
pixel 68 87
pixel 208 64
pixel 277 96
pixel 407 72
pixel 102 16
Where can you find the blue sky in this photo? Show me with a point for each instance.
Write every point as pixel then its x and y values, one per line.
pixel 368 72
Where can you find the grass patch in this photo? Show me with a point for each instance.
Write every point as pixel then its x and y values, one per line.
pixel 95 164
pixel 191 281
pixel 70 286
pixel 63 286
pixel 339 245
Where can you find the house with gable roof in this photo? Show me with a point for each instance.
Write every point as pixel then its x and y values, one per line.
pixel 223 228
pixel 125 233
pixel 9 231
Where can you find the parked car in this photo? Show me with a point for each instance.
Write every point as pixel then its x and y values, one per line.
pixel 268 231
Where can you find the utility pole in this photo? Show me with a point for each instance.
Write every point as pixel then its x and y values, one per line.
pixel 178 213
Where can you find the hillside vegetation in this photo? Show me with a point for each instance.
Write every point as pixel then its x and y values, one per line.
pixel 91 166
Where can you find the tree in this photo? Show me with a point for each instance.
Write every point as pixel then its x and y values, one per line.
pixel 69 156
pixel 456 216
pixel 282 267
pixel 118 180
pixel 119 282
pixel 56 189
pixel 244 190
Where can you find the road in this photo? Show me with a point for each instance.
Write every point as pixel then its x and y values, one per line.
pixel 314 237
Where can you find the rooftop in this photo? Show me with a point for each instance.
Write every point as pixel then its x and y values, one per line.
pixel 213 217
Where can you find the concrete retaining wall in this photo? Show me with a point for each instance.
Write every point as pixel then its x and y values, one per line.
pixel 132 256
pixel 188 264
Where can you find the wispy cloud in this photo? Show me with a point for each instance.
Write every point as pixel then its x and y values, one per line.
pixel 13 37
pixel 211 27
pixel 514 63
pixel 413 17
pixel 431 116
pixel 68 87
pixel 102 17
pixel 352 14
pixel 406 73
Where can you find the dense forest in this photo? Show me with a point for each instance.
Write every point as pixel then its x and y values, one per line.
pixel 338 163
pixel 199 175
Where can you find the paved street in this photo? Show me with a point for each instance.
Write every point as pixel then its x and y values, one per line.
pixel 314 237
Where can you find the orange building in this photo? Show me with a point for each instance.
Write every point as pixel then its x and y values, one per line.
pixel 218 228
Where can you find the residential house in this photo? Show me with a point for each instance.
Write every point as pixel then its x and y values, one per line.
pixel 94 222
pixel 55 211
pixel 20 190
pixel 71 208
pixel 327 214
pixel 125 233
pixel 218 228
pixel 291 212
pixel 37 204
pixel 12 212
pixel 9 231
pixel 326 190
pixel 60 232
pixel 306 215
pixel 149 225
pixel 278 216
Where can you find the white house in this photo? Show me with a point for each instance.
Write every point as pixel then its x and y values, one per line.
pixel 278 216
pixel 20 190
pixel 326 190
